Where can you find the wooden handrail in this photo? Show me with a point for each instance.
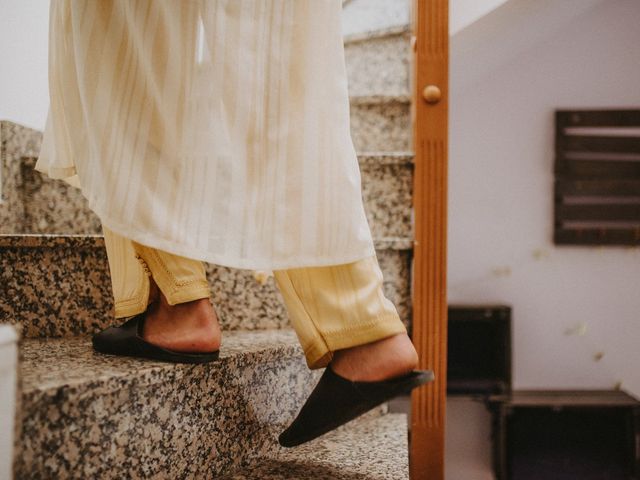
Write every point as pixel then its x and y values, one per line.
pixel 430 116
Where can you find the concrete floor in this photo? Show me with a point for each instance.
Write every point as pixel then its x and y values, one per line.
pixel 468 437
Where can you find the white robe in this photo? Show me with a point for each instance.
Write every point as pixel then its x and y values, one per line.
pixel 213 129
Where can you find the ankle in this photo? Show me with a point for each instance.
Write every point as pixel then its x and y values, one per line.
pixel 190 326
pixel 198 311
pixel 380 360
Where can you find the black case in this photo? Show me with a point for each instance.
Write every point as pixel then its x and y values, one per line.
pixel 566 435
pixel 479 349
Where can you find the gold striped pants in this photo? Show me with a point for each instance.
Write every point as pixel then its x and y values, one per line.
pixel 330 307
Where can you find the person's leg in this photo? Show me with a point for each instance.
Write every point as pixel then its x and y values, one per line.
pixel 345 322
pixel 173 290
pixel 183 319
pixel 132 287
pixel 342 317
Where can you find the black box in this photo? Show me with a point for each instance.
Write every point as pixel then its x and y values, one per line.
pixel 566 435
pixel 479 349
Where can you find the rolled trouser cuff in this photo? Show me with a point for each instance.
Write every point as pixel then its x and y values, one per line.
pixel 318 354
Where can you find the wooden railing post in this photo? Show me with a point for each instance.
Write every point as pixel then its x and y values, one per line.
pixel 430 116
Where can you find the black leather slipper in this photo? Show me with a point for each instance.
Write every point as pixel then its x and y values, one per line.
pixel 126 340
pixel 336 400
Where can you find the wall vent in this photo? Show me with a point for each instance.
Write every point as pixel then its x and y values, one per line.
pixel 597 177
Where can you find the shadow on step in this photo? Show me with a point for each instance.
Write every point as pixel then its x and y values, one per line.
pixel 282 469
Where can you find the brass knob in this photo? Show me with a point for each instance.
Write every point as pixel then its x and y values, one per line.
pixel 431 94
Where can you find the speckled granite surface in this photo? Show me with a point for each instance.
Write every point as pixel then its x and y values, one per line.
pixel 33 203
pixel 379 64
pixel 381 123
pixel 54 285
pixel 15 141
pixel 87 415
pixel 54 207
pixel 81 301
pixel 365 449
pixel 365 15
pixel 388 193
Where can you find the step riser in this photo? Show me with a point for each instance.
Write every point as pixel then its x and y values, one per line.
pixel 381 126
pixel 16 141
pixel 379 65
pixel 63 288
pixel 168 422
pixel 53 206
pixel 37 204
pixel 362 16
pixel 387 191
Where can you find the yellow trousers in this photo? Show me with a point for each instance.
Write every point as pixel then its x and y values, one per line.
pixel 330 307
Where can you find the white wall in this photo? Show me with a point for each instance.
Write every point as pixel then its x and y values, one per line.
pixel 500 216
pixel 24 93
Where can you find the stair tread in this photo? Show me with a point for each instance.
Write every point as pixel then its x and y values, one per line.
pixel 52 363
pixel 369 447
pixel 82 304
pixel 88 415
pixel 367 15
pixel 74 400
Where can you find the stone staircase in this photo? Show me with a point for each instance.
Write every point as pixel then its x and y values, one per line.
pixel 85 415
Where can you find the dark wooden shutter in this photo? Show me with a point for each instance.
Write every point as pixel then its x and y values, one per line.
pixel 597 177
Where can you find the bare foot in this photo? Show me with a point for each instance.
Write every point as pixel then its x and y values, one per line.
pixel 387 358
pixel 185 327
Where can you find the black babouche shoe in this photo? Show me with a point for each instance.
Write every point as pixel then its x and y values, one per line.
pixel 336 400
pixel 126 340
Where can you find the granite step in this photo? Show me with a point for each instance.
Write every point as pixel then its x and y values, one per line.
pixel 87 415
pixel 51 205
pixel 16 141
pixel 381 123
pixel 59 285
pixel 361 16
pixel 367 448
pixel 387 191
pixel 378 61
pixel 55 207
pixel 34 203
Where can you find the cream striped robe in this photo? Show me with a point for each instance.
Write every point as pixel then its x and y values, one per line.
pixel 213 129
